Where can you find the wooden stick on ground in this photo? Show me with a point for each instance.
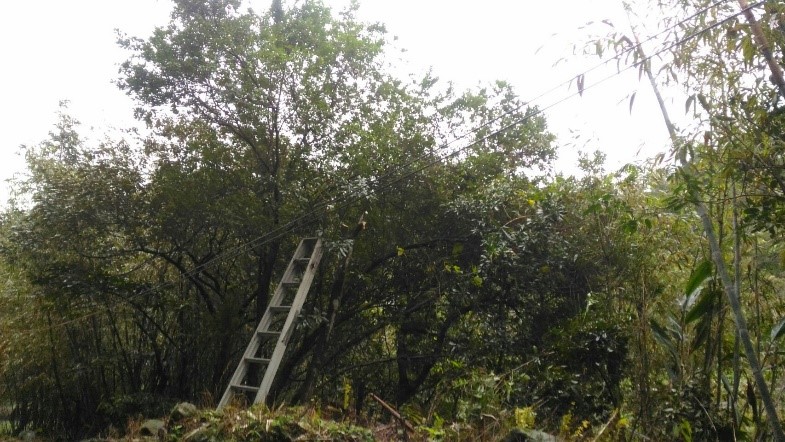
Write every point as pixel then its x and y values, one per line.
pixel 393 412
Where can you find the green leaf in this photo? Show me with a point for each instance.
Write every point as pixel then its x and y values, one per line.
pixel 690 103
pixel 662 336
pixel 704 305
pixel 630 226
pixel 703 330
pixel 701 273
pixel 457 249
pixel 598 49
pixel 778 330
pixel 747 49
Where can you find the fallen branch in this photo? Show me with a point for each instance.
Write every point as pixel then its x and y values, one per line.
pixel 393 412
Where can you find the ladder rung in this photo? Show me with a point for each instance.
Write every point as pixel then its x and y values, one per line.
pixel 257 361
pixel 303 261
pixel 269 334
pixel 291 283
pixel 250 388
pixel 280 308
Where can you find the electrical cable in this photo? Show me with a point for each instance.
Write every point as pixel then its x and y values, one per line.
pixel 560 85
pixel 335 201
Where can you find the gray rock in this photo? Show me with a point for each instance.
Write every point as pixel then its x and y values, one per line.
pixel 153 427
pixel 518 435
pixel 27 435
pixel 539 436
pixel 183 410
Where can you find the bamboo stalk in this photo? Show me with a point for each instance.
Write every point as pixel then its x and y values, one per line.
pixel 719 262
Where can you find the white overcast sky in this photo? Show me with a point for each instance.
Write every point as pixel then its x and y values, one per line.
pixel 54 50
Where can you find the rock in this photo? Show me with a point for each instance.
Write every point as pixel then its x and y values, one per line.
pixel 27 435
pixel 153 427
pixel 518 435
pixel 539 436
pixel 183 410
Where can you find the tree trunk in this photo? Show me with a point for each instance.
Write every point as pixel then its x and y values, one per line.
pixel 264 279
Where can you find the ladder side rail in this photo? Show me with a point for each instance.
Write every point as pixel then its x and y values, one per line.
pixel 302 293
pixel 256 340
pixel 291 269
pixel 286 331
pixel 264 324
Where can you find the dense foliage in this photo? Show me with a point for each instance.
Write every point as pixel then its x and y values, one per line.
pixel 484 292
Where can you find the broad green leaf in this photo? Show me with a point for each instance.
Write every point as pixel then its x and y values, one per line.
pixel 705 304
pixel 701 273
pixel 630 226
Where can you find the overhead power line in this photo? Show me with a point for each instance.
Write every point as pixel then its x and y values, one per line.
pixel 340 201
pixel 619 56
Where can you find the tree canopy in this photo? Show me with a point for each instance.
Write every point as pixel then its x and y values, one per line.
pixel 484 287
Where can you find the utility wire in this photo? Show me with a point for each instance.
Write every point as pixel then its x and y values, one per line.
pixel 595 84
pixel 337 202
pixel 630 49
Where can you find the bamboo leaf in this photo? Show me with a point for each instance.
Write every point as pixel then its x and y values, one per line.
pixel 703 306
pixel 701 273
pixel 778 330
pixel 661 335
pixel 702 332
pixel 690 103
pixel 632 100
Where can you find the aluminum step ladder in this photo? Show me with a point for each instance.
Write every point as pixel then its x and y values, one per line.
pixel 268 343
